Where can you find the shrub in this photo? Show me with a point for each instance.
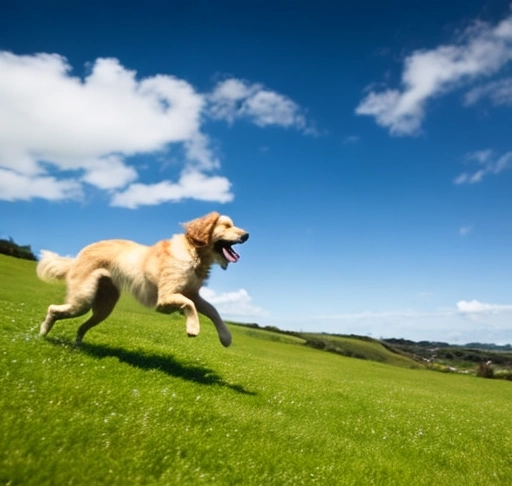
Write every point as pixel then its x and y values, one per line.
pixel 485 370
pixel 9 247
pixel 503 375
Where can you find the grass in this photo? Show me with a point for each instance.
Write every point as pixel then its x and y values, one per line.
pixel 142 404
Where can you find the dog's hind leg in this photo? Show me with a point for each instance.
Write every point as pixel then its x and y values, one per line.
pixel 107 295
pixel 78 302
pixel 57 312
pixel 64 311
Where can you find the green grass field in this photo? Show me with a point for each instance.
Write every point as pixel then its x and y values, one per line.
pixel 142 404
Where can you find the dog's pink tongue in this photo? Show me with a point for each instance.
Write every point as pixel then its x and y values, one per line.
pixel 231 255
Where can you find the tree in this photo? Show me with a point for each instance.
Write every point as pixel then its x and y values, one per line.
pixel 9 247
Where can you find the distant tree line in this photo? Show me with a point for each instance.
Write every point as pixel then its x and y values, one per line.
pixel 9 247
pixel 429 345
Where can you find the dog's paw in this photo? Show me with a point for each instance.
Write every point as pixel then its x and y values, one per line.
pixel 192 327
pixel 44 329
pixel 225 339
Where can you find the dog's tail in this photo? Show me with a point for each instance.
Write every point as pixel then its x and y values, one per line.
pixel 53 267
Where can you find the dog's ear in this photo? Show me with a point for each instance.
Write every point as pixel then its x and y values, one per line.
pixel 199 231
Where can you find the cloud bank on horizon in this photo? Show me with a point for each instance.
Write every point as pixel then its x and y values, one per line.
pixel 64 134
pixel 469 321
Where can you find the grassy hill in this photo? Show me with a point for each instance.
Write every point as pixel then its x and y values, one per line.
pixel 142 404
pixel 468 359
pixel 362 348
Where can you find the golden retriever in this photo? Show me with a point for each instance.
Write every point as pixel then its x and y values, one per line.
pixel 167 275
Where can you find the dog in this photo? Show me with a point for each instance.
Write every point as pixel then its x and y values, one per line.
pixel 166 276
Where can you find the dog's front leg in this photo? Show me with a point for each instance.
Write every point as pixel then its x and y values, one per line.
pixel 177 302
pixel 209 311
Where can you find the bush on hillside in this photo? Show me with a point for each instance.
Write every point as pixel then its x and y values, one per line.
pixel 9 247
pixel 485 370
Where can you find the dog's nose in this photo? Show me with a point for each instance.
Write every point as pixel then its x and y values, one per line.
pixel 244 237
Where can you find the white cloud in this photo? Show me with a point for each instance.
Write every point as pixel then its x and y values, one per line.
pixel 488 164
pixel 191 185
pixel 108 172
pixel 482 51
pixel 61 132
pixel 198 151
pixel 481 156
pixel 462 307
pixel 477 307
pixel 234 99
pixel 14 187
pixel 467 321
pixel 499 92
pixel 234 304
pixel 88 128
pixel 61 119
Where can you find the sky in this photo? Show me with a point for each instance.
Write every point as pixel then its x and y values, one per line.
pixel 365 146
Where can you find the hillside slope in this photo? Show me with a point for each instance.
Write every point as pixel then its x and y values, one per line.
pixel 142 404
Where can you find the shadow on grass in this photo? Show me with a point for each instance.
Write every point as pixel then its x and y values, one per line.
pixel 151 361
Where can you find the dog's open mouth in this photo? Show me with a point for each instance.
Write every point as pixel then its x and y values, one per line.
pixel 225 248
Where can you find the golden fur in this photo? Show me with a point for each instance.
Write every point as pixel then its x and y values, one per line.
pixel 167 275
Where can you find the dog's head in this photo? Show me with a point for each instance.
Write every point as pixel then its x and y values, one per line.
pixel 218 233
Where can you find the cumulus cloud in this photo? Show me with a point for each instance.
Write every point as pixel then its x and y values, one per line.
pixel 108 172
pixel 234 99
pixel 16 187
pixel 192 184
pixel 481 51
pixel 108 112
pixel 62 133
pixel 236 304
pixel 487 164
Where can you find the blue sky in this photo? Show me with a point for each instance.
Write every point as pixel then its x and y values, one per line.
pixel 366 147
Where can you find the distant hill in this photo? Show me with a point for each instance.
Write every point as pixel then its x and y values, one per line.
pixel 463 357
pixel 486 360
